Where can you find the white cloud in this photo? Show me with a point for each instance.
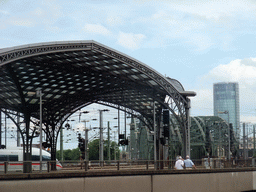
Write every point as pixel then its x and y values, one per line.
pixel 202 103
pixel 215 10
pixel 3 12
pixel 39 12
pixel 114 20
pixel 248 118
pixel 199 25
pixel 241 71
pixel 22 22
pixel 130 40
pixel 97 29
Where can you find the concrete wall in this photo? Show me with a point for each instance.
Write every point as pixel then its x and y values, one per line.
pixel 237 181
pixel 231 181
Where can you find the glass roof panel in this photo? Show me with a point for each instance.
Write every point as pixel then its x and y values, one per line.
pixel 144 76
pixel 33 101
pixel 49 95
pixel 134 77
pixel 46 90
pixel 57 96
pixel 152 82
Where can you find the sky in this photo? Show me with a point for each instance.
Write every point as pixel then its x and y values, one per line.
pixel 196 42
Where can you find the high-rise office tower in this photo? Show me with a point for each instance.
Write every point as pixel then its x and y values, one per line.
pixel 226 103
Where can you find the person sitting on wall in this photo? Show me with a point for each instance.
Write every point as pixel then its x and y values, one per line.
pixel 189 163
pixel 179 164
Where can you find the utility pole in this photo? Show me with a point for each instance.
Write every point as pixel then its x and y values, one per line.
pixel 253 140
pixel 101 148
pixel 108 143
pixel 115 146
pixel 61 143
pixel 86 155
pixel 86 158
pixel 244 141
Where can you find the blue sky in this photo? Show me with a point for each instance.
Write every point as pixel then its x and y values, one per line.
pixel 196 42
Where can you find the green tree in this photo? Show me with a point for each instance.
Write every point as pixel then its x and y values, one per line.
pixel 94 150
pixel 69 154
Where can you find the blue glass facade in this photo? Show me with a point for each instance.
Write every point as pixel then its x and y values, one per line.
pixel 226 99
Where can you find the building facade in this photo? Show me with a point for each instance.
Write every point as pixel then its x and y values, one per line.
pixel 226 103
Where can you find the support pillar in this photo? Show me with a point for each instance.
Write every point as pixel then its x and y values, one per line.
pixel 0 128
pixel 18 129
pixel 27 165
pixel 186 130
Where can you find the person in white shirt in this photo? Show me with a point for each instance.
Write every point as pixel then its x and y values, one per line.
pixel 179 164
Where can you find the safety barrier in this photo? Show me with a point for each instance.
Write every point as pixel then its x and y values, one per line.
pixel 131 165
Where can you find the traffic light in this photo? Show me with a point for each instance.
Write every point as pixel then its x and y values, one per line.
pixel 166 123
pixel 123 142
pixel 46 145
pixel 81 145
pixel 121 136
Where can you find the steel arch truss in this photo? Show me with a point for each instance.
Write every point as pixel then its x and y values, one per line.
pixel 211 134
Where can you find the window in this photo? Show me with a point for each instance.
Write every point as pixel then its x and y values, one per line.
pixel 35 158
pixel 3 157
pixel 46 158
pixel 13 158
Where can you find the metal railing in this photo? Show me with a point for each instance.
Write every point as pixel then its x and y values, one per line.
pixel 130 165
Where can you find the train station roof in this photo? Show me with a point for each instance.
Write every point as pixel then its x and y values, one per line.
pixel 75 74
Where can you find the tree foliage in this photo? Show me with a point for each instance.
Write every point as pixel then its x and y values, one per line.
pixel 94 150
pixel 93 146
pixel 69 154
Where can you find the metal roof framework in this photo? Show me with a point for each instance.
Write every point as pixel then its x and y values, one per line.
pixel 74 74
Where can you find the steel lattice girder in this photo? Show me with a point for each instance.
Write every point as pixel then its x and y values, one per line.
pixel 211 131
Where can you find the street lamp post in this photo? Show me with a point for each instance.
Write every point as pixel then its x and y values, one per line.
pixel 227 112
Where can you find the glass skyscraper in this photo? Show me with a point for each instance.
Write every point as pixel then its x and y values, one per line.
pixel 226 103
